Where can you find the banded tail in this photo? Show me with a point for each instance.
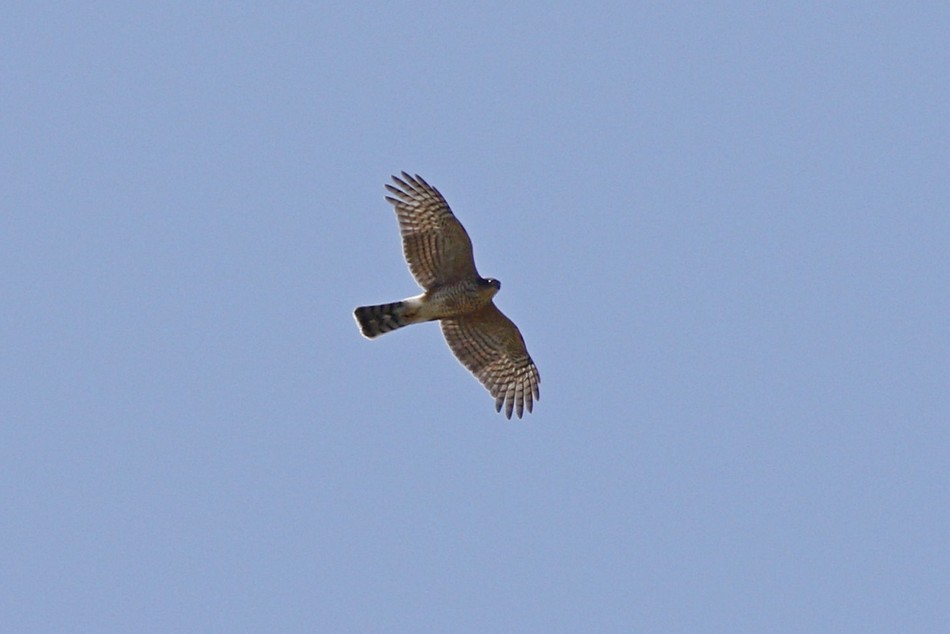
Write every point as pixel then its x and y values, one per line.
pixel 377 320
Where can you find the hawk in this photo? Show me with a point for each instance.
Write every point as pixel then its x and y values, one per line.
pixel 439 253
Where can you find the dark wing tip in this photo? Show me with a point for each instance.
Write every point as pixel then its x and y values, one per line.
pixel 407 180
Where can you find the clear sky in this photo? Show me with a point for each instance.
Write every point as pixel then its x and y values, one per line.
pixel 723 229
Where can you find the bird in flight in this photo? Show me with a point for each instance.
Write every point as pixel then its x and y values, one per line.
pixel 439 253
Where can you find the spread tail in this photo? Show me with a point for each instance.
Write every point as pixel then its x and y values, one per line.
pixel 377 320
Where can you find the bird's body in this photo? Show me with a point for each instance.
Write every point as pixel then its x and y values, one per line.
pixel 448 300
pixel 439 253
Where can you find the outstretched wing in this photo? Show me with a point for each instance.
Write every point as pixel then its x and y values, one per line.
pixel 492 348
pixel 436 246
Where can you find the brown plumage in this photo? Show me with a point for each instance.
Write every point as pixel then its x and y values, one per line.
pixel 439 254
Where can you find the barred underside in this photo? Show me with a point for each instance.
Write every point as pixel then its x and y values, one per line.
pixel 439 253
pixel 377 320
pixel 436 245
pixel 491 347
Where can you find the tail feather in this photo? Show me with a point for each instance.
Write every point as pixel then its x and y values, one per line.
pixel 377 320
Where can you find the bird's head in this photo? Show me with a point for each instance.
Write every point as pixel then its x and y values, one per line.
pixel 490 285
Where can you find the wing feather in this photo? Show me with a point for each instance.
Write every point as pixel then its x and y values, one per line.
pixel 435 244
pixel 492 348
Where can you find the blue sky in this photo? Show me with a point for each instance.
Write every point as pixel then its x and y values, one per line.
pixel 722 228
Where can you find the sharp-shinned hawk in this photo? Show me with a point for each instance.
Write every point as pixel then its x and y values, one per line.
pixel 439 254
